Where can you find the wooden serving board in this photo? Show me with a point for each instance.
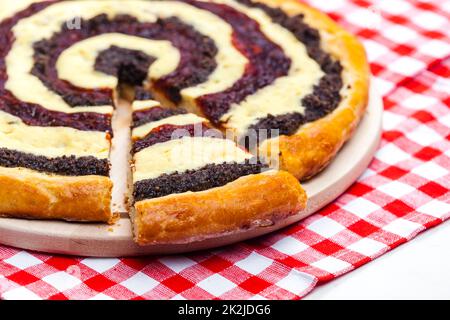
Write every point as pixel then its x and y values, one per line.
pixel 99 240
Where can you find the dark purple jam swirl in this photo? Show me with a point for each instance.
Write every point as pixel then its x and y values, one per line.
pixel 196 63
pixel 326 94
pixel 167 132
pixel 34 114
pixel 267 61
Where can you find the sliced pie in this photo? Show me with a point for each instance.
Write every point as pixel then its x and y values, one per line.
pixel 278 77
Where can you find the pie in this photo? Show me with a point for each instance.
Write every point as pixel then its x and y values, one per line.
pixel 233 102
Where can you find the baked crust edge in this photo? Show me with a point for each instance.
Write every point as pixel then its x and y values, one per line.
pixel 33 195
pixel 249 202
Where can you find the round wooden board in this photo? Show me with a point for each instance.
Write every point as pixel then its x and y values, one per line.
pixel 98 240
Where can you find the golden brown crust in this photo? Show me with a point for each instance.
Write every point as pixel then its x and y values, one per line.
pixel 249 202
pixel 28 194
pixel 309 150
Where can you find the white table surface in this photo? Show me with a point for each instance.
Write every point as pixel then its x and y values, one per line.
pixel 419 269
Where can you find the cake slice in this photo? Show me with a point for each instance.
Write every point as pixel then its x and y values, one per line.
pixel 190 183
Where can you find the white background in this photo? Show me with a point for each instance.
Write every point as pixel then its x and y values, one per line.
pixel 418 269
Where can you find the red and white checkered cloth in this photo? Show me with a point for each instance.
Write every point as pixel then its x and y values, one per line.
pixel 403 192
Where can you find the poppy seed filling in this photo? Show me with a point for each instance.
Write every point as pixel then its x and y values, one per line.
pixel 66 166
pixel 129 66
pixel 207 177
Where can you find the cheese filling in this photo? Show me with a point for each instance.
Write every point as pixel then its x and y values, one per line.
pixel 139 105
pixel 51 142
pixel 76 64
pixel 178 120
pixel 184 154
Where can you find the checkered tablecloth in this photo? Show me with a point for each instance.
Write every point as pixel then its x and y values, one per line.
pixel 403 192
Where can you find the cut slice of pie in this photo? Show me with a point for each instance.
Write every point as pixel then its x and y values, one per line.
pixel 190 183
